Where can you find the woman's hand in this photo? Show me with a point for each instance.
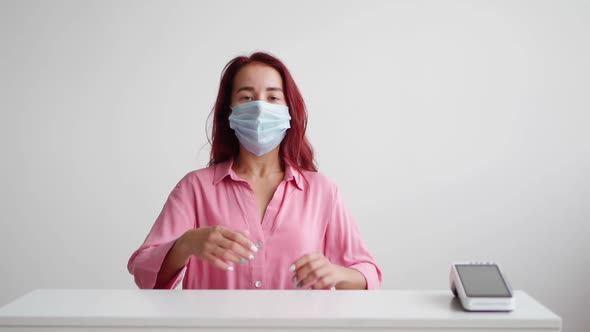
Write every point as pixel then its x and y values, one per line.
pixel 315 271
pixel 218 245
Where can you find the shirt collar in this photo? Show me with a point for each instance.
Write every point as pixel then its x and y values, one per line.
pixel 224 169
pixel 292 174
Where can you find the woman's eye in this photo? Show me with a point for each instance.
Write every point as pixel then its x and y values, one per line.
pixel 246 98
pixel 275 98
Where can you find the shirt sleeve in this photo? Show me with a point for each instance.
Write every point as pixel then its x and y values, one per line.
pixel 177 216
pixel 344 245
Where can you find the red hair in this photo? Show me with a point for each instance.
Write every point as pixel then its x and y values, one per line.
pixel 295 149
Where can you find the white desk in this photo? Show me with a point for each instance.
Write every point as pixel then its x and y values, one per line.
pixel 260 310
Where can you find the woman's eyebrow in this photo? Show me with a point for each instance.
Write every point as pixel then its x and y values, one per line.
pixel 245 88
pixel 249 88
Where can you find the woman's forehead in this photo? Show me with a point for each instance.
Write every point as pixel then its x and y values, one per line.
pixel 258 76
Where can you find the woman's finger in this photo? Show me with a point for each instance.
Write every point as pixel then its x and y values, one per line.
pixel 325 282
pixel 304 260
pixel 217 262
pixel 314 276
pixel 227 255
pixel 235 247
pixel 302 271
pixel 240 239
pixel 308 269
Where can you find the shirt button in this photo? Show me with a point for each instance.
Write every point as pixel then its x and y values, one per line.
pixel 258 284
pixel 259 244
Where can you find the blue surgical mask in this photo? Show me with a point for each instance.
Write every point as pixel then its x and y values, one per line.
pixel 260 126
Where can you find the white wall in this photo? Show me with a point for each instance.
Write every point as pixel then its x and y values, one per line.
pixel 455 129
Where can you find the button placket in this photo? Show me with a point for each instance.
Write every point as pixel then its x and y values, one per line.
pixel 240 190
pixel 288 189
pixel 272 209
pixel 258 264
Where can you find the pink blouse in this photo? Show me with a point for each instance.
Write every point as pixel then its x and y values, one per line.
pixel 306 215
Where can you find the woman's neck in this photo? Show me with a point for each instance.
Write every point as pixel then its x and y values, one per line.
pixel 249 164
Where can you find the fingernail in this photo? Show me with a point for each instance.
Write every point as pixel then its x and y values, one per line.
pixel 292 268
pixel 242 261
pixel 230 268
pixel 251 257
pixel 294 278
pixel 254 248
pixel 299 285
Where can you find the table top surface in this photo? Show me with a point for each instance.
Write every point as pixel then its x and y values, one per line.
pixel 264 308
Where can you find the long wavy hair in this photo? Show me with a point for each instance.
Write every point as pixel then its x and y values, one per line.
pixel 295 149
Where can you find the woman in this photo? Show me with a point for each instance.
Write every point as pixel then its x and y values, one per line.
pixel 260 216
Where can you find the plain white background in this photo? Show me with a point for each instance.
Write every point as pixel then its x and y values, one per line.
pixel 456 130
